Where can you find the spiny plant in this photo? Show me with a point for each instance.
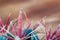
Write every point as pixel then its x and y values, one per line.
pixel 27 33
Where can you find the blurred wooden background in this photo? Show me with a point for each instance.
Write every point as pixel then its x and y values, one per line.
pixel 35 9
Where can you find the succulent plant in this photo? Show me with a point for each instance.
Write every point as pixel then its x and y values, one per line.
pixel 24 33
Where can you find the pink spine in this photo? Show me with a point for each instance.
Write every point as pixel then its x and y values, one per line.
pixel 19 33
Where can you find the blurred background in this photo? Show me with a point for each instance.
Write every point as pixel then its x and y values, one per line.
pixel 35 9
